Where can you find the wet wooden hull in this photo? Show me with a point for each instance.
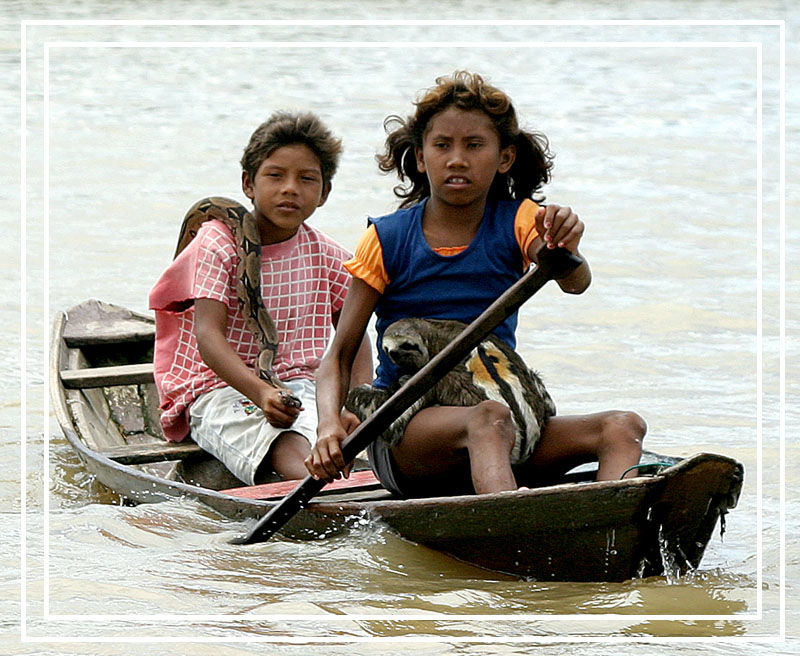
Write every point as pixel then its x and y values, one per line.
pixel 581 530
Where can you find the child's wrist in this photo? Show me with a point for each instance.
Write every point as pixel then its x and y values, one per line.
pixel 329 425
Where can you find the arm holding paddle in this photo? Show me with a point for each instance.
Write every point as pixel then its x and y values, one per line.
pixel 336 375
pixel 361 371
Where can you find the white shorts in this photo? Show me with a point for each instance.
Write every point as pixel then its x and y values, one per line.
pixel 229 426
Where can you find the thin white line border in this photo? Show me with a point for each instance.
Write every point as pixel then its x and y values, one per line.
pixel 476 23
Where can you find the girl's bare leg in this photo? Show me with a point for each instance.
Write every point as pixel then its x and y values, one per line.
pixel 613 438
pixel 451 450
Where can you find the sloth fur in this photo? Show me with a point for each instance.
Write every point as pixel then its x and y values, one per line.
pixel 492 371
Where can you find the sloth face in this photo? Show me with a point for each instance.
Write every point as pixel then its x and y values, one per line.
pixel 405 346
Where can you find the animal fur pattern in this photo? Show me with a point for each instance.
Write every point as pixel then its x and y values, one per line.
pixel 492 371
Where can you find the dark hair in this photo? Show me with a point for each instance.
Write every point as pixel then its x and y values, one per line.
pixel 468 91
pixel 284 129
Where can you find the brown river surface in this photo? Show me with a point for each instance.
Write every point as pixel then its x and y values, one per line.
pixel 660 133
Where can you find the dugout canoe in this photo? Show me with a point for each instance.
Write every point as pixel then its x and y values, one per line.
pixel 101 383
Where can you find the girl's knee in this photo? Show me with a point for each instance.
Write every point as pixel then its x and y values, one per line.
pixel 632 423
pixel 490 413
pixel 623 427
pixel 490 418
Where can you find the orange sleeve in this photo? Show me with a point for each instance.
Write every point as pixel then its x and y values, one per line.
pixel 525 228
pixel 367 263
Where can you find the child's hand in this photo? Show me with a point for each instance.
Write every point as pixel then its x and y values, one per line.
pixel 349 420
pixel 326 461
pixel 279 411
pixel 559 226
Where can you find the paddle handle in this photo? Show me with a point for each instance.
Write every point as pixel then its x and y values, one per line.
pixel 552 264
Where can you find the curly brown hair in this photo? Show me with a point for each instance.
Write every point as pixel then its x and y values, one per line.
pixel 468 91
pixel 286 128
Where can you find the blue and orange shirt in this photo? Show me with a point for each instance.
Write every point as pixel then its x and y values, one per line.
pixel 458 283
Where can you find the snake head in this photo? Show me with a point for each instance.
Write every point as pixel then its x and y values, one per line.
pixel 214 207
pixel 289 399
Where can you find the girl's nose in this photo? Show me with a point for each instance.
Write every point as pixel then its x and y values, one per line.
pixel 456 159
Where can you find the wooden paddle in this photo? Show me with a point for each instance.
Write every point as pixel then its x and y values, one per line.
pixel 553 264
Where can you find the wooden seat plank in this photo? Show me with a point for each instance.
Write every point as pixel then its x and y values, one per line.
pixel 129 374
pixel 139 454
pixel 94 322
pixel 122 332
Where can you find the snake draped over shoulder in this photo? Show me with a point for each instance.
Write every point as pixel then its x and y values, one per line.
pixel 243 225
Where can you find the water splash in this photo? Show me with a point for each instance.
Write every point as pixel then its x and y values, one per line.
pixel 673 560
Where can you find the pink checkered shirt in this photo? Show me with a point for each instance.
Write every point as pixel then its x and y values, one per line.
pixel 303 282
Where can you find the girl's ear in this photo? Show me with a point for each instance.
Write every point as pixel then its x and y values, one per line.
pixel 247 185
pixel 420 160
pixel 507 157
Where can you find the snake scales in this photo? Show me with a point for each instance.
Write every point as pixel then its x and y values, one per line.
pixel 243 225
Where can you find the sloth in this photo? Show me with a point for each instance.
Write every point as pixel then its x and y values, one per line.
pixel 492 371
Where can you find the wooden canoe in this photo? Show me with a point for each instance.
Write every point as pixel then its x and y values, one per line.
pixel 579 530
